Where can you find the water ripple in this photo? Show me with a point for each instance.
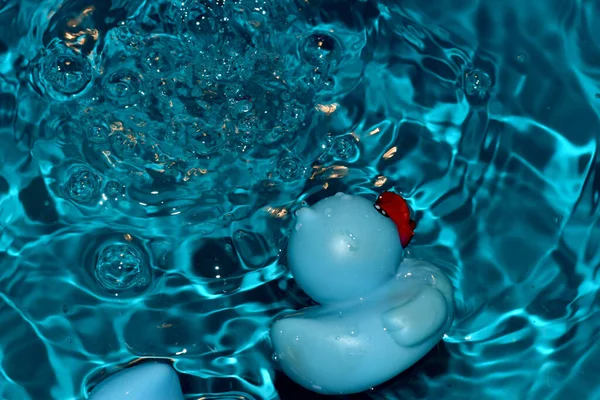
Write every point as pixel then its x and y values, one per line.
pixel 155 152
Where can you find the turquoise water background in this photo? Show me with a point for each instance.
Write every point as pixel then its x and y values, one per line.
pixel 153 153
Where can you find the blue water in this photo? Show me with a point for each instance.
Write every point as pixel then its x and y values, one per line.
pixel 153 154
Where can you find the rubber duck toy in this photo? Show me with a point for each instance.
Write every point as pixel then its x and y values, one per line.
pixel 147 381
pixel 378 313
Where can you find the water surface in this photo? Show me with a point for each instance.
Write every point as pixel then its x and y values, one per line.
pixel 153 154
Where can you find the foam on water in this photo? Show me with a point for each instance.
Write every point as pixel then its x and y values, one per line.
pixel 153 154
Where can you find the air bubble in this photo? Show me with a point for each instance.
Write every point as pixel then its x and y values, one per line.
pixel 319 49
pixel 343 148
pixel 233 90
pixel 241 107
pixel 82 185
pixel 275 357
pixel 156 61
pixel 312 80
pixel 98 132
pixel 317 80
pixel 176 129
pixel 247 19
pixel 477 83
pixel 293 115
pixel 126 35
pixel 162 88
pixel 120 266
pixel 67 130
pixel 286 96
pixel 249 127
pixel 123 144
pixel 114 189
pixel 275 135
pixel 289 168
pixel 290 120
pixel 200 19
pixel 123 88
pixel 64 71
pixel 204 143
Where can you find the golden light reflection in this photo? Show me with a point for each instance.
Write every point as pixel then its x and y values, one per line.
pixel 72 23
pixel 328 109
pixel 80 38
pixel 380 181
pixel 334 171
pixel 116 126
pixel 325 185
pixel 131 139
pixel 91 32
pixel 165 325
pixel 171 163
pixel 355 136
pixel 277 212
pixel 374 131
pixel 194 172
pixel 127 237
pixel 390 153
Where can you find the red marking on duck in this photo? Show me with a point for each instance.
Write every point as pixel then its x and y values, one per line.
pixel 393 206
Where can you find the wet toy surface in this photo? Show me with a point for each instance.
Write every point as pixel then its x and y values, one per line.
pixel 149 381
pixel 379 314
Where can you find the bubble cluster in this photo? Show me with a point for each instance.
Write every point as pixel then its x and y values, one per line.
pixel 183 89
